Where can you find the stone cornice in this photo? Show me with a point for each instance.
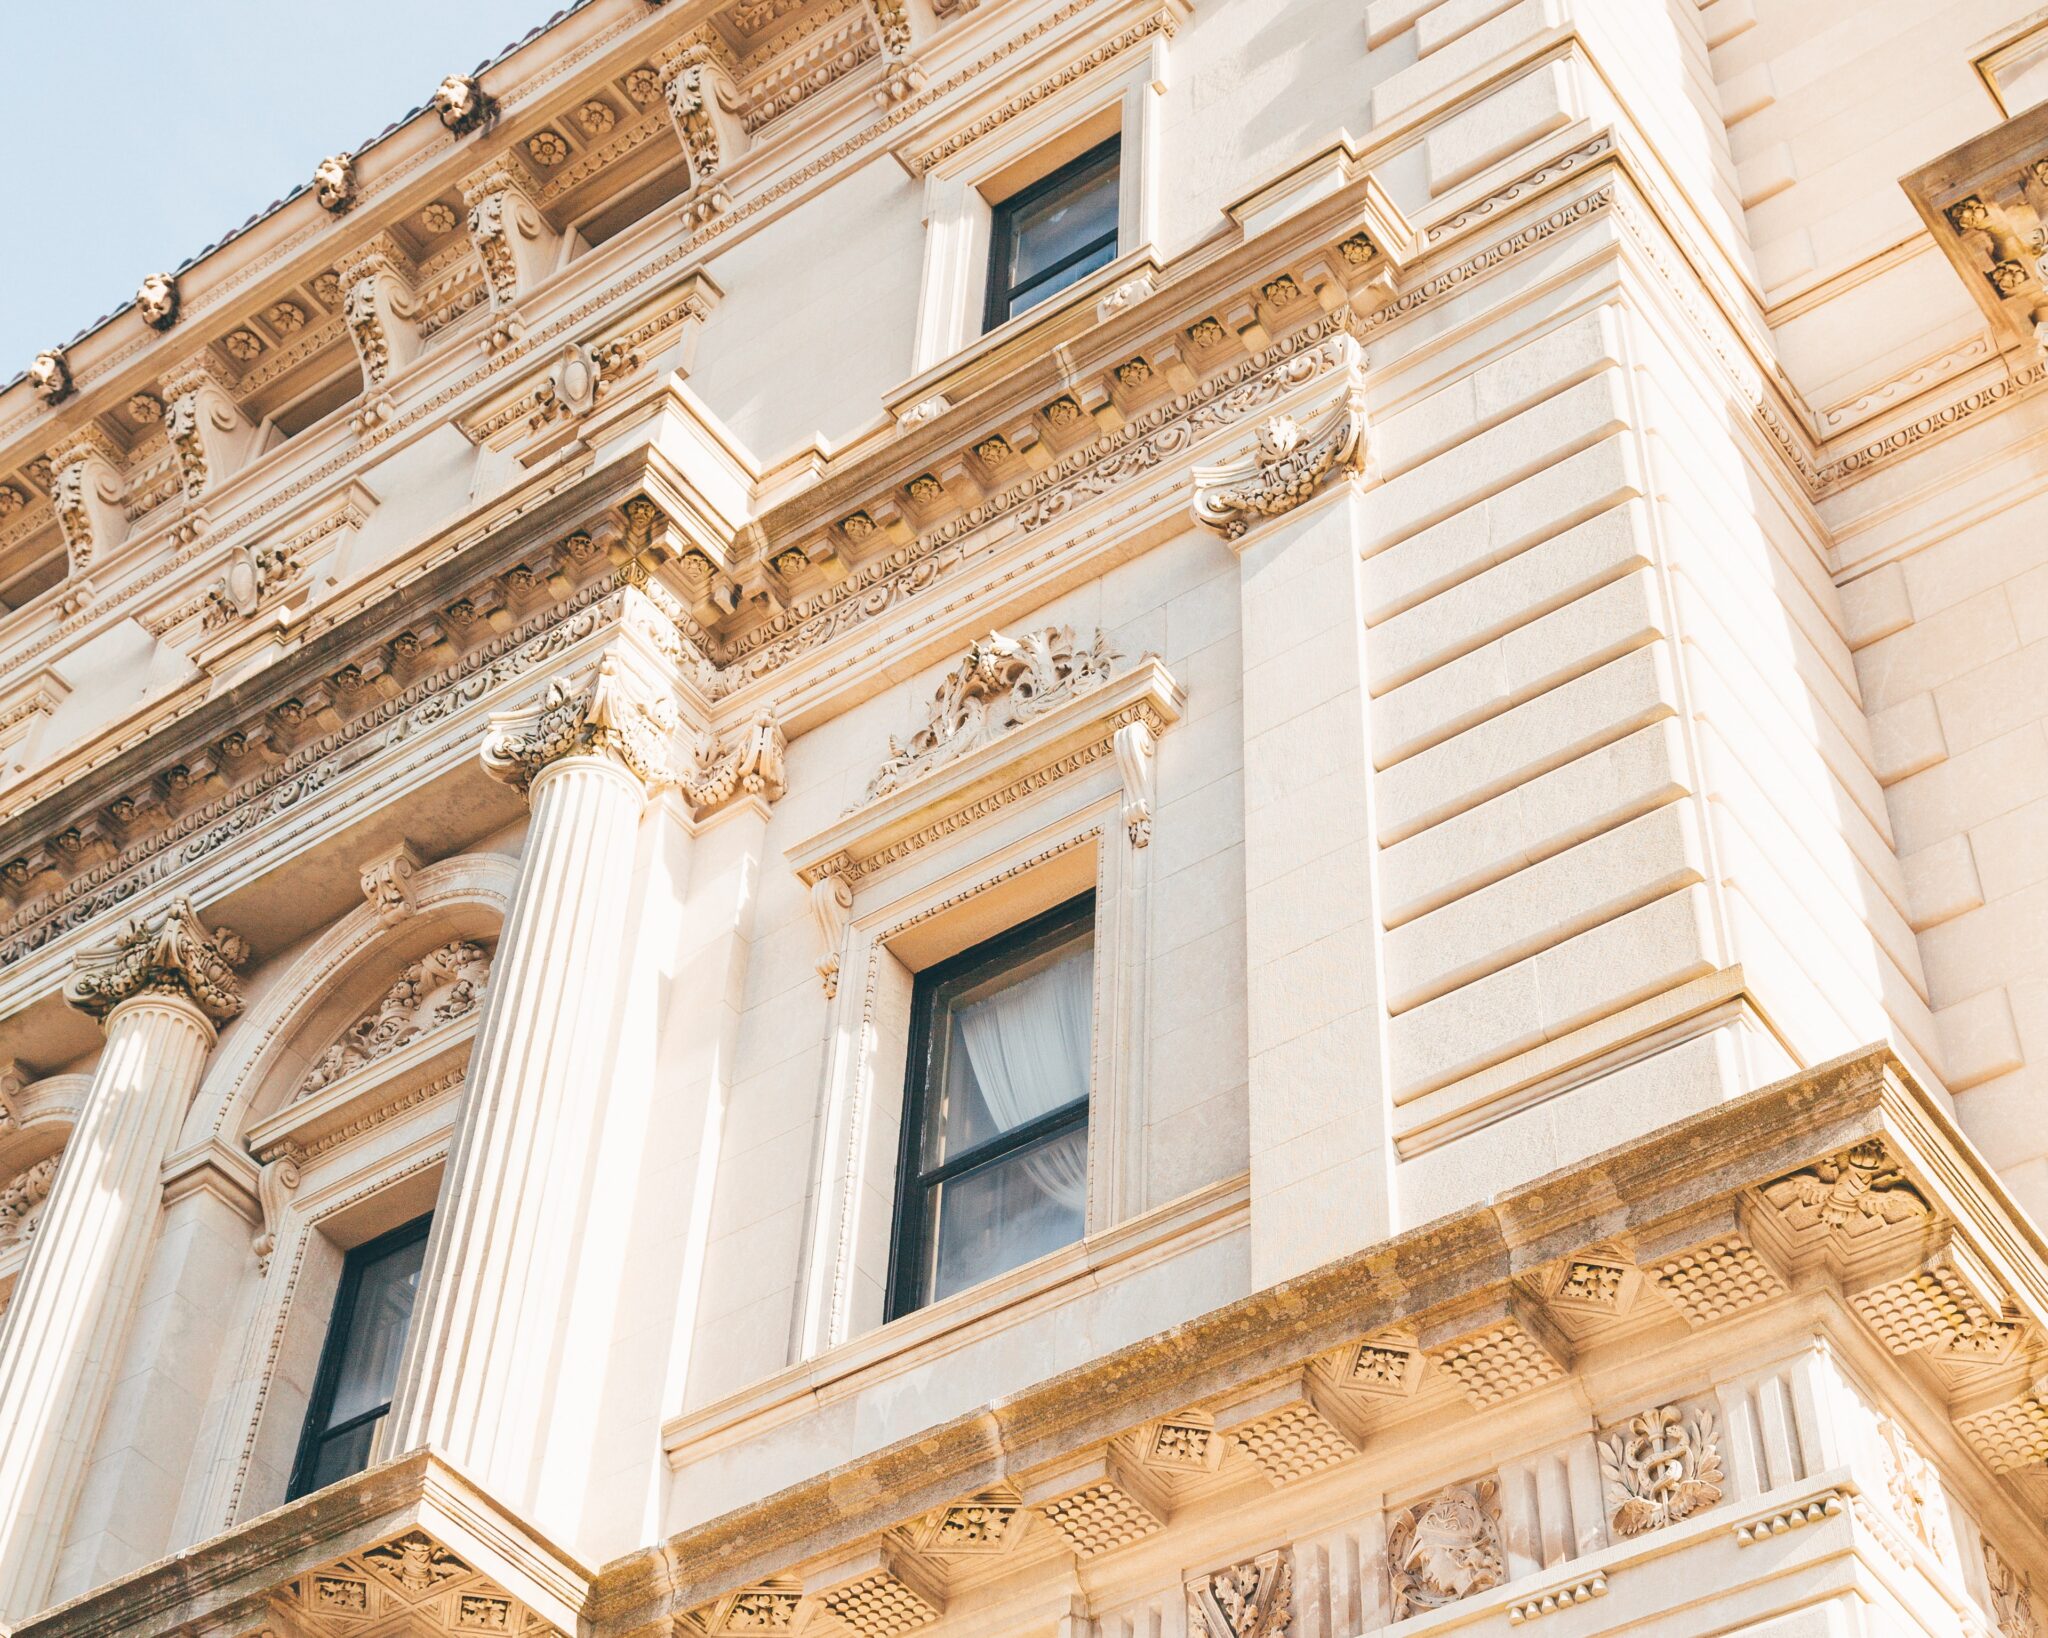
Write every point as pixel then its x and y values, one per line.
pixel 1663 1184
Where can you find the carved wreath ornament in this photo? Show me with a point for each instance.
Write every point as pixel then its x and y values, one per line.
pixel 1663 1467
pixel 1001 683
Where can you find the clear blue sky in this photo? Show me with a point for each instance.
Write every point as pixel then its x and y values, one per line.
pixel 144 131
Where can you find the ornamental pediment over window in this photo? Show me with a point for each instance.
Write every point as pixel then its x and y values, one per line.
pixel 442 988
pixel 1014 716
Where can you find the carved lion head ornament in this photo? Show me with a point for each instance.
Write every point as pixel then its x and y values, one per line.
pixel 157 301
pixel 463 105
pixel 334 183
pixel 49 377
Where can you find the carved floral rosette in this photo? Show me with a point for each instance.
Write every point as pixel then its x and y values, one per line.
pixel 167 953
pixel 441 987
pixel 1001 683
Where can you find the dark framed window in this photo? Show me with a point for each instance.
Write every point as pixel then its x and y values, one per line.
pixel 359 1363
pixel 1052 233
pixel 994 1168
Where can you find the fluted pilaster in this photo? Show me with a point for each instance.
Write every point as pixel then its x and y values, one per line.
pixel 482 1365
pixel 160 985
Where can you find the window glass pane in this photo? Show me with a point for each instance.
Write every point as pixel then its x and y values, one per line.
pixel 1056 224
pixel 997 1216
pixel 1101 256
pixel 1009 1047
pixel 376 1332
pixel 339 1455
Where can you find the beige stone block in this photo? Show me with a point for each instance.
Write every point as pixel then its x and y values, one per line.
pixel 1765 174
pixel 1529 373
pixel 1600 971
pixel 1905 738
pixel 1522 665
pixel 1993 699
pixel 1497 457
pixel 1505 122
pixel 1968 789
pixel 1386 18
pixel 1747 91
pixel 1543 905
pixel 1934 649
pixel 1875 605
pixel 1467 54
pixel 1574 489
pixel 1979 1039
pixel 1448 20
pixel 1941 881
pixel 2027 596
pixel 1530 739
pixel 1534 582
pixel 1584 797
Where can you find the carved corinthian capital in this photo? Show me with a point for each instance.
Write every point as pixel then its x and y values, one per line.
pixel 600 719
pixel 169 952
pixel 1289 464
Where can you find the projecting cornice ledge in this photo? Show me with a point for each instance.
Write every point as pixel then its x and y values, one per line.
pixel 1724 1209
pixel 411 1543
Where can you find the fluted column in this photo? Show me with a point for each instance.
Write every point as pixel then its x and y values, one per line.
pixel 160 985
pixel 482 1365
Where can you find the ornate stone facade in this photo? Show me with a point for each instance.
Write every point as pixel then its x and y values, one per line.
pixel 1505 591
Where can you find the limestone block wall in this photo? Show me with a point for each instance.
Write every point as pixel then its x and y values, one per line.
pixel 1618 747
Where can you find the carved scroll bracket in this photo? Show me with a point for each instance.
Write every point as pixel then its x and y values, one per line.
pixel 1290 461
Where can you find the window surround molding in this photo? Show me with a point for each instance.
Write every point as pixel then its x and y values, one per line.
pixel 984 154
pixel 1012 823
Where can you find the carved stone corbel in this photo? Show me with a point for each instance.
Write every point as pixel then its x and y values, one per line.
pixel 387 883
pixel 377 305
pixel 167 952
pixel 513 242
pixel 1137 763
pixel 1290 463
pixel 750 765
pixel 831 906
pixel 208 432
pixel 698 83
pixel 274 1186
pixel 86 493
pixel 901 77
pixel 13 1082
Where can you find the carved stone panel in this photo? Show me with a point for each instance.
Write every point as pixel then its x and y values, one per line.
pixel 1662 1466
pixel 1446 1547
pixel 444 985
pixel 1254 1599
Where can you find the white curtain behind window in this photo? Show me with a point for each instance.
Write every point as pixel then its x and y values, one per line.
pixel 1029 1048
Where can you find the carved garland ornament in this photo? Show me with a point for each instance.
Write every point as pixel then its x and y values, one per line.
pixel 168 953
pixel 1287 467
pixel 1001 683
pixel 1661 1468
pixel 441 987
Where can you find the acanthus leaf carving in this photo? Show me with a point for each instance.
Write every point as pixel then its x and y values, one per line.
pixel 1915 1490
pixel 1001 683
pixel 387 883
pixel 167 952
pixel 443 986
pixel 1289 463
pixel 598 720
pixel 274 1186
pixel 1254 1599
pixel 22 1198
pixel 1137 762
pixel 1663 1467
pixel 698 84
pixel 2012 1597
